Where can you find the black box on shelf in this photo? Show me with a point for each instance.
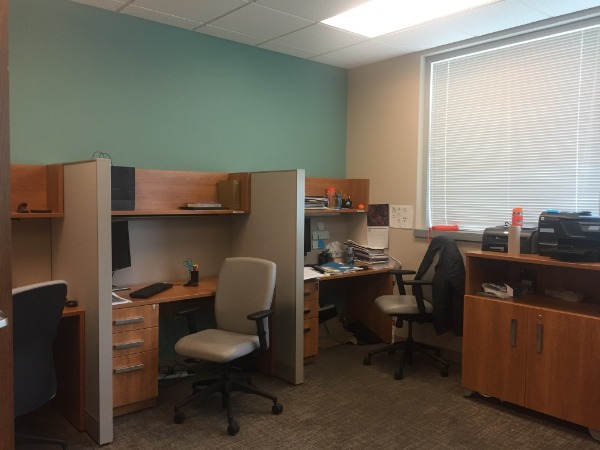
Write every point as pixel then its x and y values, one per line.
pixel 122 192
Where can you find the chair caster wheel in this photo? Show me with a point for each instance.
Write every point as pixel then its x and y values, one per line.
pixel 277 408
pixel 233 428
pixel 179 417
pixel 367 361
pixel 444 372
pixel 398 375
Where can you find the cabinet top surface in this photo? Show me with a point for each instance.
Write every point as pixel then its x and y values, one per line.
pixel 531 259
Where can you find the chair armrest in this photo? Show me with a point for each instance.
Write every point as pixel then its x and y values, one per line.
pixel 259 317
pixel 402 272
pixel 261 314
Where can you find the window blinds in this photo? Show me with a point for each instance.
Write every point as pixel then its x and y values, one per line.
pixel 515 126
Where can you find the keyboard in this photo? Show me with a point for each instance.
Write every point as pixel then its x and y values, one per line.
pixel 150 290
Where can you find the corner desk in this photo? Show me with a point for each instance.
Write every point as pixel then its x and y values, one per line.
pixel 135 343
pixel 359 290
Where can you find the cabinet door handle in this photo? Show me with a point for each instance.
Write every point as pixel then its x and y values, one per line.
pixel 128 345
pixel 538 338
pixel 120 322
pixel 128 369
pixel 513 332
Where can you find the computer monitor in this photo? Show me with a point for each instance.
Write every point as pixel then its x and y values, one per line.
pixel 121 253
pixel 307 239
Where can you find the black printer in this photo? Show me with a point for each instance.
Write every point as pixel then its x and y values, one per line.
pixel 495 239
pixel 570 236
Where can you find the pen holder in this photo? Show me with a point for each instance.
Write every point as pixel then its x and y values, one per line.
pixel 193 278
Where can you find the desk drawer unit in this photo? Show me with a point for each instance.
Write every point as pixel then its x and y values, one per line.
pixel 135 358
pixel 311 320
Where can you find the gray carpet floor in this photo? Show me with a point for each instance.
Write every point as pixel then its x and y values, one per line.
pixel 341 405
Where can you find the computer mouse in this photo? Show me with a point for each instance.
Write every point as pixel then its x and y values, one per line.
pixel 71 303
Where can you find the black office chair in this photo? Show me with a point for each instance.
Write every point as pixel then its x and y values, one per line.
pixel 37 310
pixel 243 299
pixel 444 309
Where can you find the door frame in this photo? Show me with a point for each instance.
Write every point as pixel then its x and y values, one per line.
pixel 6 346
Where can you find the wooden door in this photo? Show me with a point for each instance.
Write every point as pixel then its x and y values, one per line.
pixel 6 361
pixel 494 348
pixel 563 366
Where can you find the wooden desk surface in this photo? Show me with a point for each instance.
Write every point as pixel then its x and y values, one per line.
pixel 207 287
pixel 360 273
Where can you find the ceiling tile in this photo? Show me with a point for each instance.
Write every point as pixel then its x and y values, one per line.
pixel 316 10
pixel 360 54
pixel 167 19
pixel 491 18
pixel 260 21
pixel 200 11
pixel 281 48
pixel 424 36
pixel 555 8
pixel 229 35
pixel 113 5
pixel 320 38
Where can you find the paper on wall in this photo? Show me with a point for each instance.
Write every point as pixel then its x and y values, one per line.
pixel 401 216
pixel 377 237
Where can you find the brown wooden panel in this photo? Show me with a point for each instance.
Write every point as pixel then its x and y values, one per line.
pixel 491 365
pixel 136 341
pixel 69 356
pixel 170 189
pixel 6 350
pixel 141 383
pixel 562 375
pixel 357 189
pixel 311 337
pixel 311 299
pixel 137 316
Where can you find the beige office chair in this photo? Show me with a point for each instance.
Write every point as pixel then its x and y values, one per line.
pixel 444 308
pixel 245 291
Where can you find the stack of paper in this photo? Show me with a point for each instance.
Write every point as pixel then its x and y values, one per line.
pixel 315 202
pixel 369 256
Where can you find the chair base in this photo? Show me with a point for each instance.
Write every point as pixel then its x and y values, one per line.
pixel 225 385
pixel 410 347
pixel 22 439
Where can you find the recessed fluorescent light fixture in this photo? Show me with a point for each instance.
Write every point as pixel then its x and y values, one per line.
pixel 379 17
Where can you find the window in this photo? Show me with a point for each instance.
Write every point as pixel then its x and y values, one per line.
pixel 514 125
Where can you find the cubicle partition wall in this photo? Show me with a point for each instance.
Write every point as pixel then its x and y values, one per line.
pixel 274 231
pixel 81 256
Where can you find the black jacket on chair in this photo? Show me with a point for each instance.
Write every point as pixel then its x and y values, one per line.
pixel 448 288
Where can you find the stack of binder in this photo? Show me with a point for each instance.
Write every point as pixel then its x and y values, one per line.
pixel 315 202
pixel 368 256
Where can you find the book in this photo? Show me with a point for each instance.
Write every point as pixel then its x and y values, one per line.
pixel 229 194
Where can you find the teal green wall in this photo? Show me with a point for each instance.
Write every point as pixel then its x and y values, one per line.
pixel 85 80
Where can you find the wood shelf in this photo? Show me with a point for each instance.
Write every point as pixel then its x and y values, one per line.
pixel 163 192
pixel 355 188
pixel 41 187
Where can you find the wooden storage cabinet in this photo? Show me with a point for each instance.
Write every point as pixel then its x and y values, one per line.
pixel 311 320
pixel 535 351
pixel 135 358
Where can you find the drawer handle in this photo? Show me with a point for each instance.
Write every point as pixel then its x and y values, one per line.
pixel 538 338
pixel 118 323
pixel 128 345
pixel 513 332
pixel 121 370
pixel 306 293
pixel 307 310
pixel 306 330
